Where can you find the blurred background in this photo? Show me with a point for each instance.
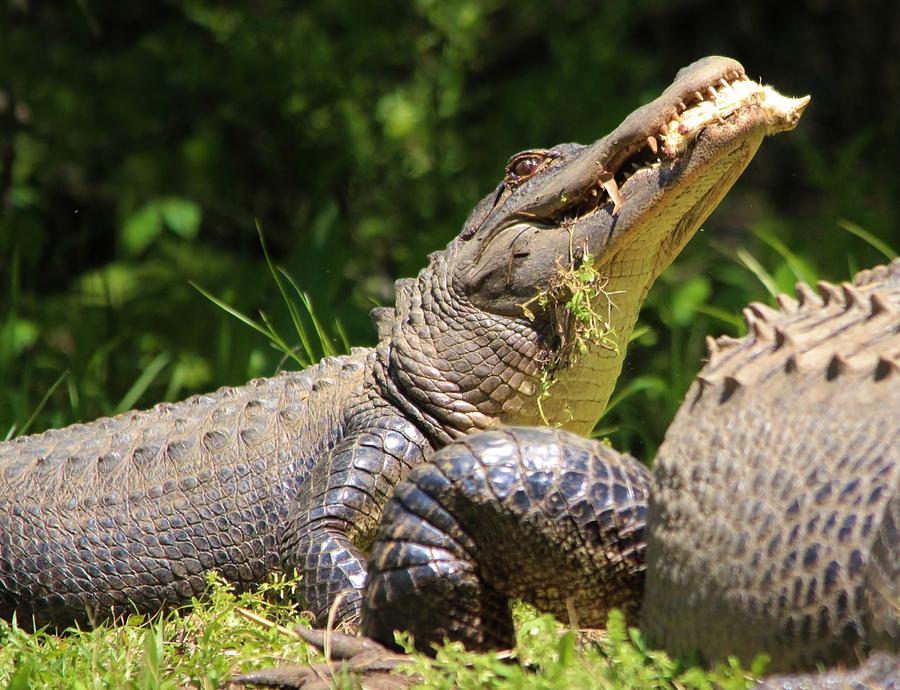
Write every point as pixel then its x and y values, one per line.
pixel 140 147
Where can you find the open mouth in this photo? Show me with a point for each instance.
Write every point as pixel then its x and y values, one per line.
pixel 715 105
pixel 700 121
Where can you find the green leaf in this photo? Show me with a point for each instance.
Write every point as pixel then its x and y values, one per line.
pixel 399 114
pixel 759 664
pixel 144 225
pixel 141 228
pixel 869 237
pixel 637 640
pixel 20 334
pixel 181 216
pixel 566 648
pixel 687 298
pixel 757 269
pixel 139 387
pixel 21 677
pixel 40 406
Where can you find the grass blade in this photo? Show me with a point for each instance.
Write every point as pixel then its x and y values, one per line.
pixel 868 237
pixel 342 334
pixel 292 309
pixel 798 268
pixel 324 341
pixel 37 410
pixel 636 385
pixel 281 344
pixel 231 310
pixel 756 268
pixel 733 320
pixel 139 387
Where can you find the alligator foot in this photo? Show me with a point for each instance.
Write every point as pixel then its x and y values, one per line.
pixel 368 663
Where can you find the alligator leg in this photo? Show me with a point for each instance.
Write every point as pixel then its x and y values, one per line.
pixel 534 514
pixel 541 509
pixel 335 515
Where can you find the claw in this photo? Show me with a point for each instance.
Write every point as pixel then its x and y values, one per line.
pixel 341 645
pixel 359 657
pixel 285 677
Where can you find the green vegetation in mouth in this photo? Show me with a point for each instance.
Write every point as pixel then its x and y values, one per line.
pixel 580 309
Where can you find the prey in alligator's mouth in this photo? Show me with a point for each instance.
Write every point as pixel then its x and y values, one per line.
pixel 713 106
pixel 709 104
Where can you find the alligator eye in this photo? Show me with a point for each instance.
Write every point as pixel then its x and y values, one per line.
pixel 526 167
pixel 523 166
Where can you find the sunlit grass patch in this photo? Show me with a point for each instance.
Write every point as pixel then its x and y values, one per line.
pixel 205 644
pixel 199 646
pixel 549 656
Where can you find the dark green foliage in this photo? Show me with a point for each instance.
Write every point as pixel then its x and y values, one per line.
pixel 140 144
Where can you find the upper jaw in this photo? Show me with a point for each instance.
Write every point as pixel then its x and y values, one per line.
pixel 711 94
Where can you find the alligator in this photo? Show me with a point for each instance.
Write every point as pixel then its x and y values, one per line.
pixel 130 513
pixel 770 523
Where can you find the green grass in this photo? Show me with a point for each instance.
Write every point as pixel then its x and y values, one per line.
pixel 360 156
pixel 549 656
pixel 199 646
pixel 203 645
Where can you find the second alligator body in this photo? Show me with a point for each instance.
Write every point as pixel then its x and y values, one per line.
pixel 769 524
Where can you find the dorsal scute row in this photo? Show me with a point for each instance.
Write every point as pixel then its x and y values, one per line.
pixel 834 330
pixel 152 441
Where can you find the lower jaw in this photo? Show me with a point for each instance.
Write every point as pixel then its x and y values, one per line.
pixel 712 165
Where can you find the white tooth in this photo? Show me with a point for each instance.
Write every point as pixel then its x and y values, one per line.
pixel 613 190
pixel 651 142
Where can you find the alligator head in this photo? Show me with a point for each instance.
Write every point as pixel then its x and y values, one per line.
pixel 485 334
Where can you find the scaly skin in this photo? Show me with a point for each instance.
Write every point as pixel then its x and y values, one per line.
pixel 131 512
pixel 293 472
pixel 771 516
pixel 524 513
pixel 788 445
